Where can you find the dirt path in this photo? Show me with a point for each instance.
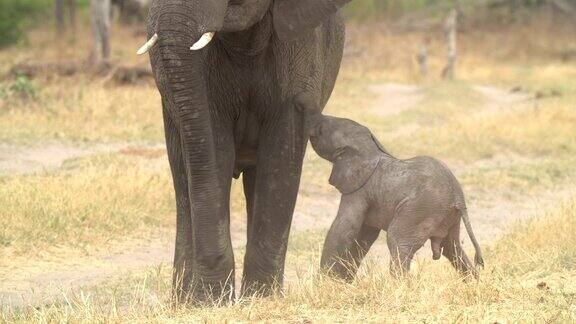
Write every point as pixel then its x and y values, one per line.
pixel 42 281
pixel 394 98
pixel 492 214
pixel 49 157
pixel 498 100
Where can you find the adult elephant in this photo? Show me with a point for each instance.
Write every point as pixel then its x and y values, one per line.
pixel 230 73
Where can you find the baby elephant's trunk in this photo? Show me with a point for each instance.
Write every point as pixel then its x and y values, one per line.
pixel 311 113
pixel 478 259
pixel 312 121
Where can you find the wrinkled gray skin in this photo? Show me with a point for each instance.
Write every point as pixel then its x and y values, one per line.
pixel 229 110
pixel 413 200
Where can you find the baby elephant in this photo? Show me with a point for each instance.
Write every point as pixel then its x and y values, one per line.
pixel 413 200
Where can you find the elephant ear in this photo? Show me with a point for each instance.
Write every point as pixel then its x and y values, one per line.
pixel 351 172
pixel 292 17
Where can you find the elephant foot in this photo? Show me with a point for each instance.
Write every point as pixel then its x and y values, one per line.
pixel 191 288
pixel 340 270
pixel 204 294
pixel 257 288
pixel 261 277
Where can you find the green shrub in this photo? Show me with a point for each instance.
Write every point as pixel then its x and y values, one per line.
pixel 24 88
pixel 21 88
pixel 15 15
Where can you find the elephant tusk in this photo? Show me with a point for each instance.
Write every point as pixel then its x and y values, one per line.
pixel 203 41
pixel 149 44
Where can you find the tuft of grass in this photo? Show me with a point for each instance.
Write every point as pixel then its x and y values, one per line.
pixel 542 247
pixel 21 88
pixel 90 202
pixel 520 176
pixel 105 114
pixel 544 131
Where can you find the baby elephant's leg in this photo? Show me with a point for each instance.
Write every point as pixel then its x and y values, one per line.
pixel 452 250
pixel 366 238
pixel 405 237
pixel 348 240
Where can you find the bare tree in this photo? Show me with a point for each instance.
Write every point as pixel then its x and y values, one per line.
pixel 100 14
pixel 59 14
pixel 132 11
pixel 422 56
pixel 72 13
pixel 60 6
pixel 450 32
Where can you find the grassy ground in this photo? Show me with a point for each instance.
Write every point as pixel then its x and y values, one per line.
pixel 505 153
pixel 75 206
pixel 530 278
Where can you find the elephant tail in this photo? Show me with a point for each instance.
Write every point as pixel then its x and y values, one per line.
pixel 478 259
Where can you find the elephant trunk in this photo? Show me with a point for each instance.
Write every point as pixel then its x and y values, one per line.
pixel 180 77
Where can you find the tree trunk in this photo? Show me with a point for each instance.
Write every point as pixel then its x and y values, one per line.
pixel 423 56
pixel 450 31
pixel 100 14
pixel 60 7
pixel 59 14
pixel 72 14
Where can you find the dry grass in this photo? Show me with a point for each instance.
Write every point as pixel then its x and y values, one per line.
pixel 80 111
pixel 82 108
pixel 544 131
pixel 530 278
pixel 91 202
pixel 103 199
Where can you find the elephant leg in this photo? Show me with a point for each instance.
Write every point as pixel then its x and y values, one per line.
pixel 249 182
pixel 405 237
pixel 401 256
pixel 452 250
pixel 279 165
pixel 197 276
pixel 224 287
pixel 366 238
pixel 342 252
pixel 183 257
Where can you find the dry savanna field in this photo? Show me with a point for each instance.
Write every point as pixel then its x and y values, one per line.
pixel 87 211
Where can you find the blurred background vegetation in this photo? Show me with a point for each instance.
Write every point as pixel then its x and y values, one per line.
pixel 17 15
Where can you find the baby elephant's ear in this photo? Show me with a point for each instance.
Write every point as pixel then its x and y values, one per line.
pixel 292 17
pixel 350 174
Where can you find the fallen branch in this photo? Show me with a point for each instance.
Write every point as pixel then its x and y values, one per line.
pixel 111 73
pixel 450 32
pixel 129 74
pixel 33 69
